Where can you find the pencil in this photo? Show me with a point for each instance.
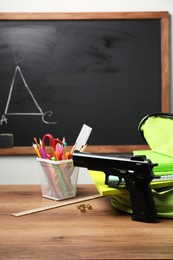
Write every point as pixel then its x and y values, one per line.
pixel 63 140
pixel 83 148
pixel 54 153
pixel 73 148
pixel 36 150
pixel 35 139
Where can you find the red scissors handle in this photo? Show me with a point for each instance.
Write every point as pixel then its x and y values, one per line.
pixel 52 143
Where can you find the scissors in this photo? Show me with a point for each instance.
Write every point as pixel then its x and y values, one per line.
pixel 53 145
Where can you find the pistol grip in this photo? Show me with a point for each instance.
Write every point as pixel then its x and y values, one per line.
pixel 143 205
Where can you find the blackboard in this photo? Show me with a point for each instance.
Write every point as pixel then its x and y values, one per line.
pixel 60 71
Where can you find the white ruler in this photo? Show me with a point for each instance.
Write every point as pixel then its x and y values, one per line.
pixel 57 205
pixel 83 136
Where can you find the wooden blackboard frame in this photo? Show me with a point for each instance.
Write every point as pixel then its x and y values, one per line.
pixel 165 66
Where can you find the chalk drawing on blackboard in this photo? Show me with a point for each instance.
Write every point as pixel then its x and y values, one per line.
pixel 37 111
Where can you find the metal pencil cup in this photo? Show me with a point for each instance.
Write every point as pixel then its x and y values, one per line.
pixel 58 179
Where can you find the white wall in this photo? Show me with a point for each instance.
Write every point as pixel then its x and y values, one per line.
pixel 84 5
pixel 23 169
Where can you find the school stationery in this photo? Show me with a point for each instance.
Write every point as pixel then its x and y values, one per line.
pixel 83 137
pixel 58 178
pixel 58 175
pixel 57 205
pixel 54 143
pixel 51 148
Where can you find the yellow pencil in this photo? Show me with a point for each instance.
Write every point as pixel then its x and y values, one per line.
pixel 40 142
pixel 36 150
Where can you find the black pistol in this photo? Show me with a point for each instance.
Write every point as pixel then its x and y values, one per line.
pixel 137 173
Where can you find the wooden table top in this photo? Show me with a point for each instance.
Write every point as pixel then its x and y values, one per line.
pixel 68 233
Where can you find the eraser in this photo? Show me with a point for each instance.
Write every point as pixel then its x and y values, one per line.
pixel 6 140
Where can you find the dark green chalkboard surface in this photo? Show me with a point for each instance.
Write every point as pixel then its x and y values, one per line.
pixel 60 71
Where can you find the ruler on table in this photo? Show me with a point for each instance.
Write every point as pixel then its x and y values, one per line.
pixel 57 205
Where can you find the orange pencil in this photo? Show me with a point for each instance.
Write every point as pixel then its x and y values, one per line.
pixel 35 139
pixel 67 156
pixel 54 153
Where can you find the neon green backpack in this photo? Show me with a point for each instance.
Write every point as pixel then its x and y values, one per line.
pixel 157 131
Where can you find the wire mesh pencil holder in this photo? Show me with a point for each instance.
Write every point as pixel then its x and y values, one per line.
pixel 58 179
